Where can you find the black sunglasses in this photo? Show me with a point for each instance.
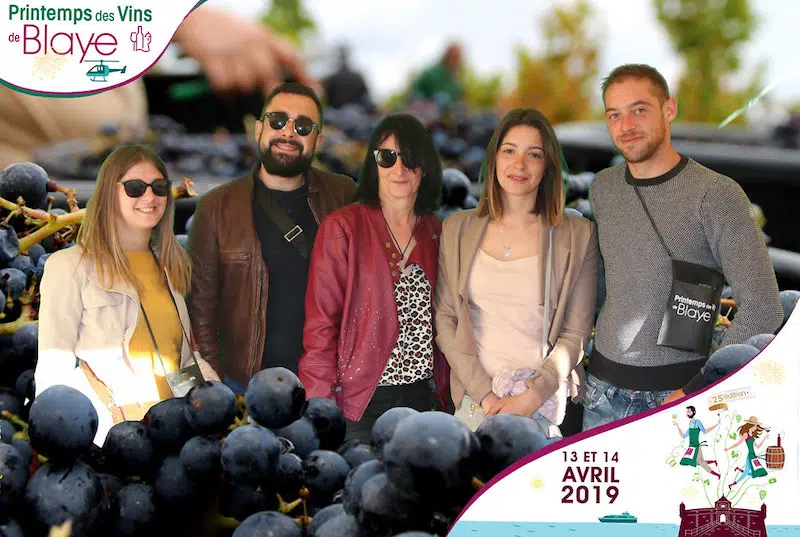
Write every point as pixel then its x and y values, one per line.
pixel 387 157
pixel 303 125
pixel 135 188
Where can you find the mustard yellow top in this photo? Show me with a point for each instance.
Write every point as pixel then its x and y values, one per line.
pixel 166 325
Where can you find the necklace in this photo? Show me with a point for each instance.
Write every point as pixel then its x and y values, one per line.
pixel 506 247
pixel 397 243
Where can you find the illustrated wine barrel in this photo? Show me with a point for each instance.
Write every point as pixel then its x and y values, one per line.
pixel 775 456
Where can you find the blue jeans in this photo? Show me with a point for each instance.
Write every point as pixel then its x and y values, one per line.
pixel 603 402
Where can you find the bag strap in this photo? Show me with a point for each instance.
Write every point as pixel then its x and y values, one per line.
pixel 652 222
pixel 292 232
pixel 546 324
pixel 189 340
pixel 102 392
pixel 118 413
pixel 190 336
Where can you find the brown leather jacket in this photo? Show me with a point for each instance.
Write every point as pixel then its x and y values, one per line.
pixel 228 300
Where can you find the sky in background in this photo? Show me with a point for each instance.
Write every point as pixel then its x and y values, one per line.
pixel 391 38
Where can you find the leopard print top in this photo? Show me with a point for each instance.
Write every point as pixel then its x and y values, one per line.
pixel 412 356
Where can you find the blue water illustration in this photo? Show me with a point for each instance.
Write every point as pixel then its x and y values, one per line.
pixel 556 529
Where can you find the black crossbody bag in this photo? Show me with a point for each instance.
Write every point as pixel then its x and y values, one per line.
pixel 693 305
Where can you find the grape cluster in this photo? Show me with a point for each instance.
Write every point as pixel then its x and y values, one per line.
pixel 219 154
pixel 459 134
pixel 266 462
pixel 30 230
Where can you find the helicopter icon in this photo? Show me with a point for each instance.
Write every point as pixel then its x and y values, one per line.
pixel 101 70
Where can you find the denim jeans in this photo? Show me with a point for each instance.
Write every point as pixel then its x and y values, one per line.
pixel 603 402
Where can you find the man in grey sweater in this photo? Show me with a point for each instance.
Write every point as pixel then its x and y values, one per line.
pixel 703 217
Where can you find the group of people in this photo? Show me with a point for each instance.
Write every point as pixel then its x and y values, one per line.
pixel 375 303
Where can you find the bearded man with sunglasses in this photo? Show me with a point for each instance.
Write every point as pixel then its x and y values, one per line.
pixel 250 242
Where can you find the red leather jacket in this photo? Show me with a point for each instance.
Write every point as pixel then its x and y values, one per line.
pixel 351 316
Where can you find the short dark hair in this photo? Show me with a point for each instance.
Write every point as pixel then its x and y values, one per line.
pixel 639 71
pixel 693 409
pixel 295 88
pixel 413 140
pixel 550 197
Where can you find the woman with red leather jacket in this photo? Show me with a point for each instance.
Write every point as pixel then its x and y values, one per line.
pixel 369 336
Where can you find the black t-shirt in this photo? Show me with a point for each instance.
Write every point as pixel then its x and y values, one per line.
pixel 288 274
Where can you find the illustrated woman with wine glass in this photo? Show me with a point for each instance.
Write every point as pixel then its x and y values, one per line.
pixel 113 323
pixel 748 433
pixel 368 335
pixel 516 291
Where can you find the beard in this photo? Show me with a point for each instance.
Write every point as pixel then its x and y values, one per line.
pixel 642 153
pixel 284 165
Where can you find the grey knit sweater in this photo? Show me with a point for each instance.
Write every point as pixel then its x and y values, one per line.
pixel 704 218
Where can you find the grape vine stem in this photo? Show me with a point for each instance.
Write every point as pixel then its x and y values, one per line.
pixel 14 419
pixel 72 201
pixel 55 224
pixel 36 214
pixel 26 317
pixel 64 530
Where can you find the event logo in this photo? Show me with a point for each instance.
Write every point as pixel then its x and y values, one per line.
pixel 724 462
pixel 84 48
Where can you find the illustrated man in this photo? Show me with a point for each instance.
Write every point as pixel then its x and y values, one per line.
pixel 250 243
pixel 694 453
pixel 702 217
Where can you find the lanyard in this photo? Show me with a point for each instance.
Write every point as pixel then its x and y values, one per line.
pixel 153 337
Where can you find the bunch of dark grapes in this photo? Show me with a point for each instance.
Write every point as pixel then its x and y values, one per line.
pixel 266 462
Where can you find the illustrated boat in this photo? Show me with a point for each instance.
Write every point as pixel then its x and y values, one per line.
pixel 625 517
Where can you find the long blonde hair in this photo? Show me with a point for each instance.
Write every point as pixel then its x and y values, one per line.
pixel 98 232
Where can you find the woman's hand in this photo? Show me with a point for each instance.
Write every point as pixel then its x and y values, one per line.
pixel 489 401
pixel 524 404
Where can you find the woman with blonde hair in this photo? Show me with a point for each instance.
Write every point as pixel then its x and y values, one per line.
pixel 517 283
pixel 112 319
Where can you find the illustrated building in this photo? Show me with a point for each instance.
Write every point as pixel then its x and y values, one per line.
pixel 722 520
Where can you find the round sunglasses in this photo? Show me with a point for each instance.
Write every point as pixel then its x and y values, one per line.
pixel 387 157
pixel 303 125
pixel 135 188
